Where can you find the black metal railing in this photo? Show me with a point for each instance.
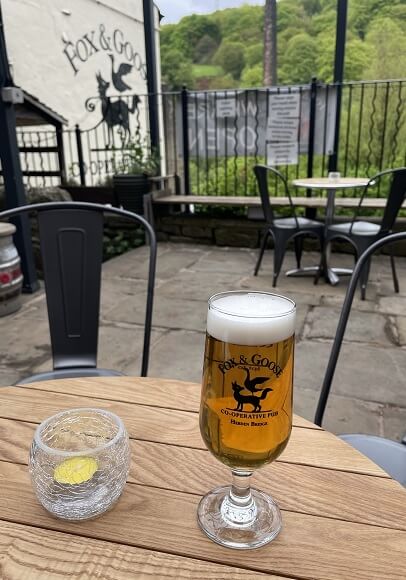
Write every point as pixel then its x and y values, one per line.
pixel 41 156
pixel 212 139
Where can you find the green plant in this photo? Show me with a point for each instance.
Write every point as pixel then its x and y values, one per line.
pixel 138 158
pixel 116 243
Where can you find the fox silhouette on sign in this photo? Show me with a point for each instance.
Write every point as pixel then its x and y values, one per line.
pixel 115 113
pixel 250 385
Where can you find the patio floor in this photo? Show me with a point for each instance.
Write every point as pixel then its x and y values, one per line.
pixel 368 394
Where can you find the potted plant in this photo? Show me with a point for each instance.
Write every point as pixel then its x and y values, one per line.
pixel 133 168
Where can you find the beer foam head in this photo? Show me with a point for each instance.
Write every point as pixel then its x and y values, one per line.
pixel 251 318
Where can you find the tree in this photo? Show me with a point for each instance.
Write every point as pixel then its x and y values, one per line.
pixel 176 69
pixel 357 58
pixel 270 66
pixel 230 56
pixel 306 37
pixel 254 54
pixel 252 76
pixel 387 43
pixel 205 49
pixel 190 30
pixel 300 59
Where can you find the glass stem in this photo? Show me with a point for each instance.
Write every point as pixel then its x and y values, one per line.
pixel 240 492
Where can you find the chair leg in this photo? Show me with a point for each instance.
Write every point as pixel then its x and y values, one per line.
pixel 323 263
pixel 298 249
pixel 261 252
pixel 394 274
pixel 278 255
pixel 364 279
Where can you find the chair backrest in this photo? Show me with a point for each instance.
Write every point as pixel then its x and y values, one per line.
pixel 342 323
pixel 71 236
pixel 396 197
pixel 261 173
pixel 389 455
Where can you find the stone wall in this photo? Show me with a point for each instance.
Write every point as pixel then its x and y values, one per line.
pixel 234 231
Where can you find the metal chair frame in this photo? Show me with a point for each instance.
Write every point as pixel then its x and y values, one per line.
pixel 281 235
pixel 361 242
pixel 336 348
pixel 71 235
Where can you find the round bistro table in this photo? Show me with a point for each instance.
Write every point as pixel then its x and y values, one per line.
pixel 331 186
pixel 343 517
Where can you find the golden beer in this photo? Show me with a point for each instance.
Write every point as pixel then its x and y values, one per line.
pixel 246 412
pixel 246 409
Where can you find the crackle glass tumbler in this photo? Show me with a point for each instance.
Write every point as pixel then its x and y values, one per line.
pixel 79 462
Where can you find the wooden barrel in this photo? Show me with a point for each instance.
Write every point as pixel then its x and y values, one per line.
pixel 11 279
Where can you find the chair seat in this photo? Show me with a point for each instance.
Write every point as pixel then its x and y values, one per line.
pixel 389 455
pixel 359 228
pixel 71 373
pixel 290 223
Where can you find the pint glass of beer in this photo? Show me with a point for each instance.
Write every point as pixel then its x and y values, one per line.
pixel 246 409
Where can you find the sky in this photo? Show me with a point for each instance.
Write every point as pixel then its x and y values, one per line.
pixel 174 10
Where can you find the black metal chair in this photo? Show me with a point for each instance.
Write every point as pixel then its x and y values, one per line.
pixel 389 455
pixel 361 234
pixel 71 236
pixel 282 229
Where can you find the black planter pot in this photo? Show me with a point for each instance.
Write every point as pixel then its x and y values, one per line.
pixel 93 194
pixel 130 190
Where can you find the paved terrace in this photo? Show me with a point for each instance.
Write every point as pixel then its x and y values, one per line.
pixel 369 392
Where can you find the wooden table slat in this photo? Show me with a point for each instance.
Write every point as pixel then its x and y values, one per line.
pixel 306 446
pixel 152 392
pixel 300 488
pixel 36 553
pixel 308 547
pixel 343 517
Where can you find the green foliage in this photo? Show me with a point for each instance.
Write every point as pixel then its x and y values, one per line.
pixel 205 49
pixel 229 176
pixel 176 69
pixel 252 76
pixel 233 40
pixel 230 56
pixel 254 54
pixel 138 158
pixel 207 70
pixel 190 31
pixel 358 57
pixel 300 59
pixel 117 242
pixel 223 82
pixel 387 43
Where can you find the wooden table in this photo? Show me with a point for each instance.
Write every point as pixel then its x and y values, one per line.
pixel 343 517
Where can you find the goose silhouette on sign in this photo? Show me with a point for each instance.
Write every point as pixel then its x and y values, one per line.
pixel 117 76
pixel 251 384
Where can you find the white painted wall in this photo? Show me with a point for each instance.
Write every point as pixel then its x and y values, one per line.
pixel 56 48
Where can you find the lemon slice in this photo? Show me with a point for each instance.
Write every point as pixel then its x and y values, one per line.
pixel 75 470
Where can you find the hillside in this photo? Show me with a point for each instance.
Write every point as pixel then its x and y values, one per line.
pixel 225 49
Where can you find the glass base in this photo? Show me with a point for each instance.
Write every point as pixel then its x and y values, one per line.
pixel 237 527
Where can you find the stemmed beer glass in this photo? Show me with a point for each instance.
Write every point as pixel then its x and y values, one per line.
pixel 246 409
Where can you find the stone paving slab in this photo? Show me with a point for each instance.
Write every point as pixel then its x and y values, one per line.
pixel 368 394
pixel 393 304
pixel 168 312
pixel 24 343
pixel 401 329
pixel 179 354
pixel 230 261
pixel 364 372
pixel 366 327
pixel 343 415
pixel 197 285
